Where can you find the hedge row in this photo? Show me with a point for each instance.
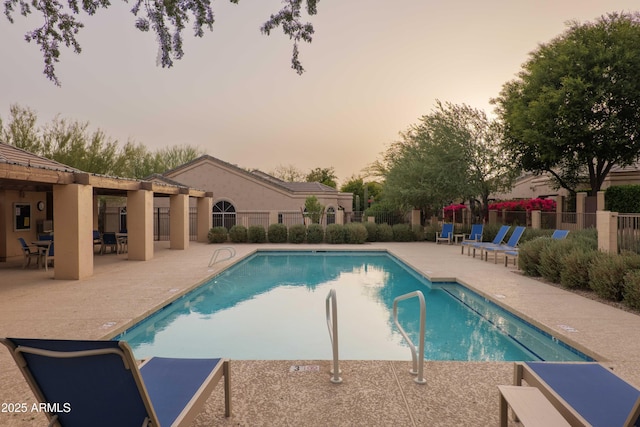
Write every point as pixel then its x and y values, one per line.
pixel 576 263
pixel 623 198
pixel 315 233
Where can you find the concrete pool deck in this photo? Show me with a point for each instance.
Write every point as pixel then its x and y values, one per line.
pixel 374 393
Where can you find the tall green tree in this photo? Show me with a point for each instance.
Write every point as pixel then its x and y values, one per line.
pixel 21 130
pixel 171 157
pixel 167 18
pixel 71 143
pixel 453 153
pixel 326 176
pixel 574 109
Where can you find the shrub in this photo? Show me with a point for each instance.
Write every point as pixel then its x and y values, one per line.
pixel 631 290
pixel 335 233
pixel 217 235
pixel 623 198
pixel 430 232
pixel 372 231
pixel 401 233
pixel 606 275
pixel 489 232
pixel 529 255
pixel 587 238
pixel 355 233
pixel 575 273
pixel 385 233
pixel 418 232
pixel 315 233
pixel 256 234
pixel 238 234
pixel 552 259
pixel 297 233
pixel 533 233
pixel 277 233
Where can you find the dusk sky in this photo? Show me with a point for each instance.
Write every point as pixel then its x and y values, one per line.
pixel 374 67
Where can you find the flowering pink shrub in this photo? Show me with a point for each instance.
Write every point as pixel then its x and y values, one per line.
pixel 545 205
pixel 451 209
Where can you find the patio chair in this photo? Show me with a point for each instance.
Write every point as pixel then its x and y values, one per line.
pixel 48 256
pixel 557 235
pixel 586 394
pixel 511 245
pixel 446 235
pixel 474 237
pixel 97 240
pixel 109 240
pixel 98 383
pixel 502 232
pixel 29 251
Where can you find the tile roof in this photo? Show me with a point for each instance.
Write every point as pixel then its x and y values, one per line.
pixel 300 187
pixel 17 156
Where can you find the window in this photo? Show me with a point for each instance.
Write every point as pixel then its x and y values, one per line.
pixel 331 216
pixel 123 220
pixel 224 214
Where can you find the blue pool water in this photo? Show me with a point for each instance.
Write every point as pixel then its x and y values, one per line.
pixel 272 306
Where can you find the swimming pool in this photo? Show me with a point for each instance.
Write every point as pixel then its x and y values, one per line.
pixel 271 306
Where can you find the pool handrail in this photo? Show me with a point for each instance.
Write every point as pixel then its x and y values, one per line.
pixel 214 257
pixel 418 359
pixel 332 324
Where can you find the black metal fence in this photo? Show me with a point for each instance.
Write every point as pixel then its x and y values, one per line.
pixel 161 224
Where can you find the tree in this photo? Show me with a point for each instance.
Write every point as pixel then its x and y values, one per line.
pixel 313 209
pixel 326 176
pixel 574 110
pixel 452 153
pixel 167 18
pixel 70 142
pixel 288 173
pixel 21 130
pixel 362 192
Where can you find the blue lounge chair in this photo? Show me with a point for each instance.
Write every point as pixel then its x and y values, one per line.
pixel 502 232
pixel 474 237
pixel 510 246
pixel 446 235
pixel 98 383
pixel 584 393
pixel 557 235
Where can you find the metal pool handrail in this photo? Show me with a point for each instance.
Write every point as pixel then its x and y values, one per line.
pixel 418 359
pixel 214 257
pixel 332 325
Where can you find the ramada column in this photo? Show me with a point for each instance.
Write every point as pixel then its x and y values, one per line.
pixel 205 217
pixel 179 221
pixel 73 231
pixel 140 225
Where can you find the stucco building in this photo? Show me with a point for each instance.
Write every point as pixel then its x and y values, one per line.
pixel 254 197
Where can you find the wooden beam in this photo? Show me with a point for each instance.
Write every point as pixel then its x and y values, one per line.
pixel 35 175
